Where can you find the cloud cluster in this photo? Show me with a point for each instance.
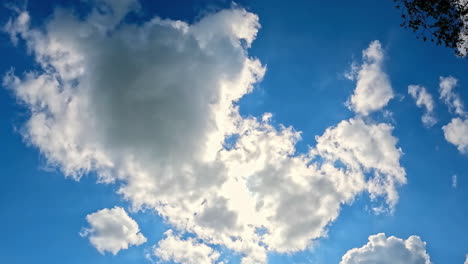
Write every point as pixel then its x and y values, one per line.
pixel 423 100
pixel 151 107
pixel 112 230
pixel 389 250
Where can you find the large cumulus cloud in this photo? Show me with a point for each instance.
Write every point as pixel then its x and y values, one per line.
pixel 150 106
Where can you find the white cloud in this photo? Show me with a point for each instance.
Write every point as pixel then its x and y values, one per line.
pixel 366 147
pixel 353 71
pixel 373 90
pixel 454 181
pixel 452 99
pixel 423 100
pixel 150 107
pixel 184 251
pixel 456 132
pixel 466 261
pixel 391 250
pixel 112 230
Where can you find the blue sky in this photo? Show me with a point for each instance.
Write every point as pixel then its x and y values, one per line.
pixel 306 48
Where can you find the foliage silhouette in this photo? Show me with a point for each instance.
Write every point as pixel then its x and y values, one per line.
pixel 444 22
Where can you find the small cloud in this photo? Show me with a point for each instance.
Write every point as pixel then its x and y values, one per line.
pixel 451 99
pixel 112 230
pixel 353 71
pixel 454 181
pixel 388 115
pixel 456 132
pixel 373 88
pixel 423 100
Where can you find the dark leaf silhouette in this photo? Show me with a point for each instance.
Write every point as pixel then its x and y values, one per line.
pixel 444 22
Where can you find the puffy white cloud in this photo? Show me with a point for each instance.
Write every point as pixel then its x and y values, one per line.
pixel 423 100
pixel 456 132
pixel 151 107
pixel 295 197
pixel 368 148
pixel 112 230
pixel 389 250
pixel 184 251
pixel 373 90
pixel 452 99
